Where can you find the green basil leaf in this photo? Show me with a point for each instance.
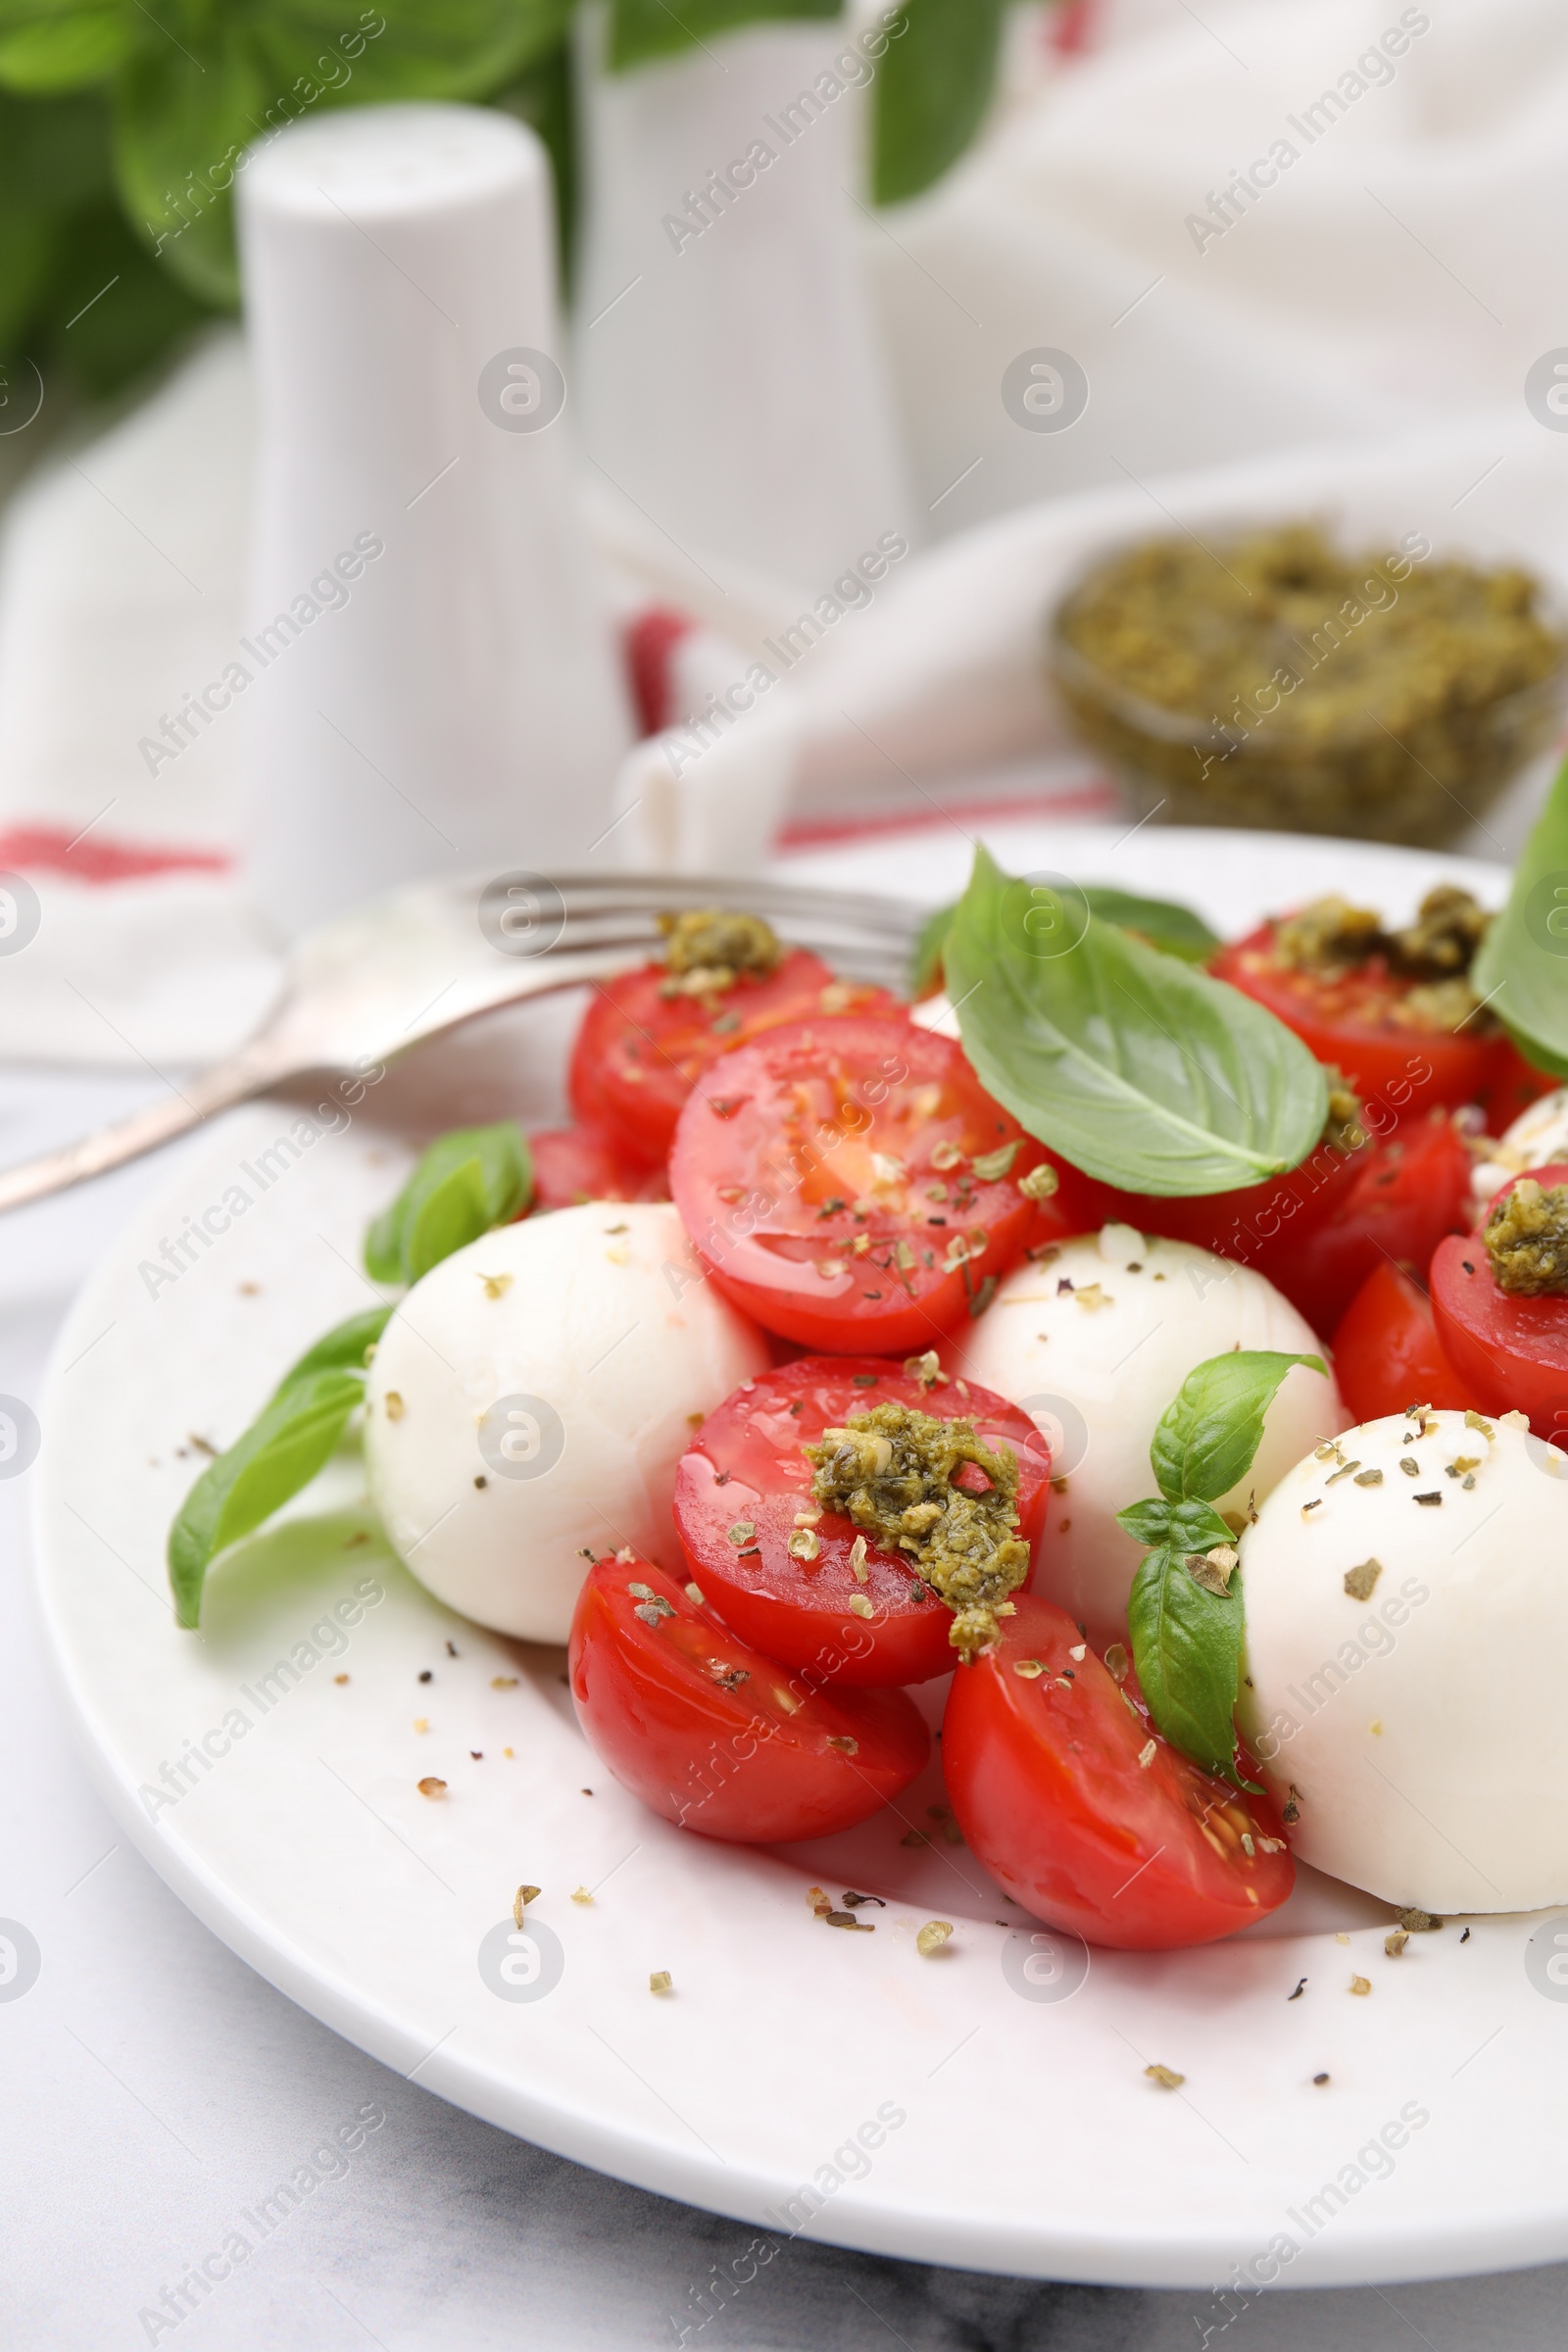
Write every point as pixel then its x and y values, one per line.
pixel 1174 929
pixel 281 1452
pixel 1204 1443
pixel 1522 967
pixel 1160 922
pixel 1187 1650
pixel 68 50
pixel 343 1349
pixel 1164 924
pixel 1185 1526
pixel 644 29
pixel 465 1184
pixel 1136 1067
pixel 184 109
pixel 934 87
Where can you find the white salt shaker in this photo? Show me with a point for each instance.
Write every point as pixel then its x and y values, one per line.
pixel 433 682
pixel 734 385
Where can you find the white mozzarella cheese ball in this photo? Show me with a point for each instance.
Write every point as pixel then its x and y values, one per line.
pixel 530 1398
pixel 1094 1344
pixel 1537 1137
pixel 1407 1648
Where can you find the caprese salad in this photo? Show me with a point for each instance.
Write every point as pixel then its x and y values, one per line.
pixel 844 1346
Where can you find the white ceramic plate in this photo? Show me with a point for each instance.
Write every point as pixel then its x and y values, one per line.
pixel 983 2107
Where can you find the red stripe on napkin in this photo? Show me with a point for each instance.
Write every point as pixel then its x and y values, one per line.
pixel 99 857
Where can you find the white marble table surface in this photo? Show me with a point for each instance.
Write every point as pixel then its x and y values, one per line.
pixel 152 2088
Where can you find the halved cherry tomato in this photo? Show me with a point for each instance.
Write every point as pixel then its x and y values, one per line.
pixel 638 1051
pixel 1355 1022
pixel 1046 1778
pixel 851 1185
pixel 1408 1191
pixel 1511 1352
pixel 1513 1084
pixel 572 1165
pixel 713 1735
pixel 1387 1352
pixel 1261 1225
pixel 744 1477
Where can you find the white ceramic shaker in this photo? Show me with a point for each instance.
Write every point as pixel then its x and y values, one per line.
pixel 434 686
pixel 734 388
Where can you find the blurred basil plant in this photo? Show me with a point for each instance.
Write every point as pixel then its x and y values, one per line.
pixel 121 125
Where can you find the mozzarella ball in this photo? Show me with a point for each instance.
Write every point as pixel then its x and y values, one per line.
pixel 1407 1648
pixel 1094 1343
pixel 530 1398
pixel 1537 1137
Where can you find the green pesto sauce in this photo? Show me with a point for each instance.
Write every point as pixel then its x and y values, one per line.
pixel 1526 1239
pixel 890 1470
pixel 710 949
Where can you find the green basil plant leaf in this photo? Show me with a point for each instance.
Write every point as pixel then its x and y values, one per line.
pixel 1205 1443
pixel 1164 923
pixel 934 87
pixel 465 1184
pixel 286 1445
pixel 1135 1066
pixel 1521 971
pixel 1184 1526
pixel 1187 1647
pixel 1185 1618
pixel 67 49
pixel 346 1347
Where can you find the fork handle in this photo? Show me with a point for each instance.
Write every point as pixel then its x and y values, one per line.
pixel 234 1081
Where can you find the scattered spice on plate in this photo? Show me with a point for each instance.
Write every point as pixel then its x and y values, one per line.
pixel 503 1682
pixel 660 1981
pixel 1359 1582
pixel 1320 2079
pixel 1360 1985
pixel 432 1786
pixel 1395 1941
pixel 580 1894
pixel 1419 1923
pixel 421 1722
pixel 340 1678
pixel 394 1405
pixel 1300 1987
pixel 523 1895
pixel 1165 2076
pixel 932 1936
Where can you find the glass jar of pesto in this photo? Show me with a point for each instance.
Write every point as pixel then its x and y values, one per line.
pixel 1269 680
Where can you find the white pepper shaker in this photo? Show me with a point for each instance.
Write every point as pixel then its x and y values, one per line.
pixel 433 682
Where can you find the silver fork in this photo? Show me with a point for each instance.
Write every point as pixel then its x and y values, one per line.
pixel 402 970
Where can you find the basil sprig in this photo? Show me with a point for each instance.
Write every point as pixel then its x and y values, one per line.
pixel 465 1182
pixel 1132 1065
pixel 1172 928
pixel 291 1439
pixel 1521 970
pixel 1185 1616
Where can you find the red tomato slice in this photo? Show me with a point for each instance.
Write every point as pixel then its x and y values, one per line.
pixel 713 1735
pixel 745 1468
pixel 572 1165
pixel 1044 1776
pixel 825 1175
pixel 1387 1352
pixel 1260 1225
pixel 1513 1084
pixel 639 1052
pixel 1407 1193
pixel 1354 1022
pixel 1511 1352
